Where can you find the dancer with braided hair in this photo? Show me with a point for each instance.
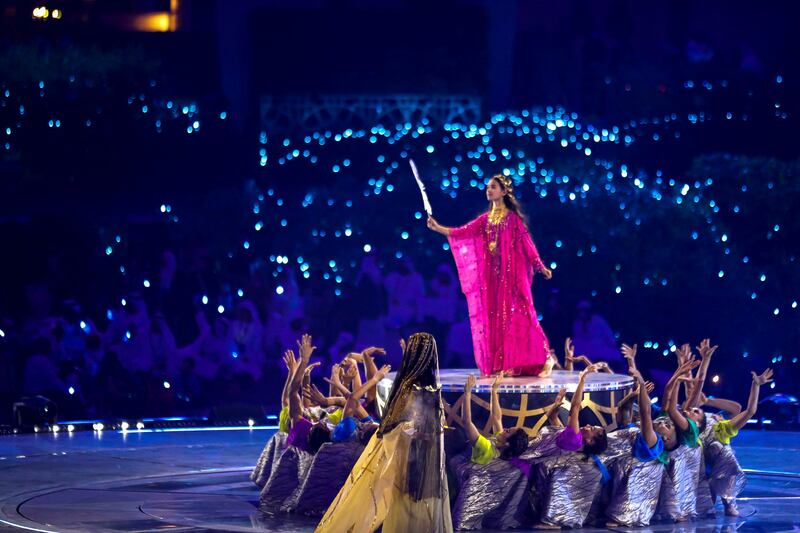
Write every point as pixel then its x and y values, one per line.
pixel 496 261
pixel 399 482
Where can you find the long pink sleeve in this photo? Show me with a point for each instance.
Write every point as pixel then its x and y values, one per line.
pixel 531 253
pixel 473 228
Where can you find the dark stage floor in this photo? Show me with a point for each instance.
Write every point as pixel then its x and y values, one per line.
pixel 198 481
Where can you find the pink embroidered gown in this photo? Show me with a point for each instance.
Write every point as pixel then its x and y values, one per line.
pixel 496 263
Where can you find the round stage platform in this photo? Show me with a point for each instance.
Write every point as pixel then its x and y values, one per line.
pixel 524 400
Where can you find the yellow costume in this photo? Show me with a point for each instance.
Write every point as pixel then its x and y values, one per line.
pixel 399 481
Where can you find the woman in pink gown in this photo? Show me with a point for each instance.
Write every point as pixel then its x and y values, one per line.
pixel 496 261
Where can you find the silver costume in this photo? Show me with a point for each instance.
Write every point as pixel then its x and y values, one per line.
pixel 635 486
pixel 268 459
pixel 678 495
pixel 307 483
pixel 565 484
pixel 493 495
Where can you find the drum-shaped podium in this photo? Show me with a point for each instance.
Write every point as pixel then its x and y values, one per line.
pixel 525 400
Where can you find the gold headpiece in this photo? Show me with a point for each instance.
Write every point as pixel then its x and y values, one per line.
pixel 508 185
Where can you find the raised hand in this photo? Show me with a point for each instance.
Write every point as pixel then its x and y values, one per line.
pixel 311 367
pixel 602 365
pixel 762 379
pixel 305 347
pixel 685 367
pixel 649 386
pixel 588 370
pixel 382 371
pixel 353 356
pixel 403 345
pixel 498 379
pixel 470 383
pixel 336 372
pixel 352 368
pixel 560 396
pixel 629 353
pixel 569 348
pixel 315 395
pixel 705 349
pixel 372 351
pixel 684 353
pixel 289 360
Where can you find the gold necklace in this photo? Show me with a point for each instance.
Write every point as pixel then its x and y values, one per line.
pixel 496 216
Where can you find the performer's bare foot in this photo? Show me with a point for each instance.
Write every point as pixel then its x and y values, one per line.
pixel 549 364
pixel 542 525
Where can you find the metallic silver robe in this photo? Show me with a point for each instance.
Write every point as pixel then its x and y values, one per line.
pixel 305 483
pixel 327 474
pixel 565 484
pixel 493 495
pixel 288 473
pixel 722 476
pixel 678 495
pixel 268 459
pixel 635 486
pixel 727 479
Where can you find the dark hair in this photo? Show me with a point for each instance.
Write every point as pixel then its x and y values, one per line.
pixel 517 443
pixel 598 446
pixel 367 434
pixel 318 436
pixel 509 199
pixel 701 427
pixel 418 369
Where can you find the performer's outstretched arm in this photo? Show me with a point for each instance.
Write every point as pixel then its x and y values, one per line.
pixel 706 351
pixel 295 399
pixel 495 411
pixel 729 406
pixel 370 369
pixel 466 411
pixel 577 399
pixel 353 404
pixel 741 419
pixel 671 394
pixel 438 228
pixel 291 366
pixel 552 411
pixel 645 412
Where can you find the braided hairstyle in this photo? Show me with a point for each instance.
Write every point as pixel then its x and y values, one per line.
pixel 418 369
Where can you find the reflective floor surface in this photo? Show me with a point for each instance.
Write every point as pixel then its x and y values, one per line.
pixel 198 481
